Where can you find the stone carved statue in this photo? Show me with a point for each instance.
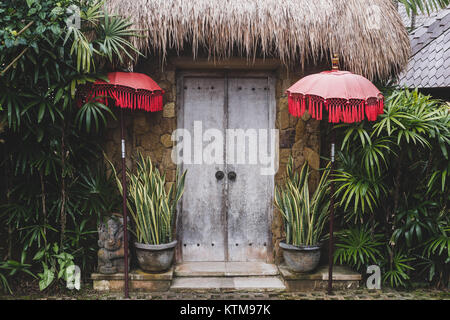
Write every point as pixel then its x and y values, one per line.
pixel 111 252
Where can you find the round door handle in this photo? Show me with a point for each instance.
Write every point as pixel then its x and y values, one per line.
pixel 232 175
pixel 220 175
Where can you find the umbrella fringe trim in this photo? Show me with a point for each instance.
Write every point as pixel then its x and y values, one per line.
pixel 339 110
pixel 124 97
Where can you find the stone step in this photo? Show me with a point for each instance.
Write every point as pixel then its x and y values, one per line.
pixel 225 269
pixel 343 278
pixel 247 283
pixel 138 280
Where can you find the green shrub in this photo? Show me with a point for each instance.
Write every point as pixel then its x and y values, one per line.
pixel 304 216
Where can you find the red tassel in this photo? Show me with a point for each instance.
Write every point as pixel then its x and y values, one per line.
pixel 346 113
pixel 335 113
pixel 381 106
pixel 331 114
pixel 309 105
pixel 319 116
pixel 291 105
pixel 154 105
pixel 303 105
pixel 106 99
pixel 320 110
pixel 119 98
pixel 339 113
pixel 314 109
pixel 361 111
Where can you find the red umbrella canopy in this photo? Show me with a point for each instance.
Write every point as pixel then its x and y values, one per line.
pixel 346 96
pixel 130 90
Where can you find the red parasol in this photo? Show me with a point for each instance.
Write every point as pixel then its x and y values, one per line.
pixel 348 98
pixel 133 91
pixel 130 90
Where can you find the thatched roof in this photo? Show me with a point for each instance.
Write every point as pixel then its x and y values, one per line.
pixel 368 35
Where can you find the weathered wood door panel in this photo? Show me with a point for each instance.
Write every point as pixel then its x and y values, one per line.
pixel 226 220
pixel 248 194
pixel 203 233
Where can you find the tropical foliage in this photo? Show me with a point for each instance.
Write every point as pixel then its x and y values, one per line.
pixel 54 186
pixel 304 215
pixel 392 176
pixel 151 206
pixel 424 6
pixel 358 247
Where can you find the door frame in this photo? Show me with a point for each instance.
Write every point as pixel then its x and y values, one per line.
pixel 179 105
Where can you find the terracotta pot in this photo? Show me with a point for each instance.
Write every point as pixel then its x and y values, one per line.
pixel 155 258
pixel 301 258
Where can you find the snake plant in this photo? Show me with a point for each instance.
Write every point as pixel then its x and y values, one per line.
pixel 304 216
pixel 150 205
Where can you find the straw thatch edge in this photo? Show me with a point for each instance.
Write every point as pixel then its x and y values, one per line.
pixel 368 35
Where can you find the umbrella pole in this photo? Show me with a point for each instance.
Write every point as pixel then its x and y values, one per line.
pixel 331 242
pixel 124 206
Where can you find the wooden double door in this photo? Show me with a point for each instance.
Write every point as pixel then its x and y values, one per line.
pixel 226 210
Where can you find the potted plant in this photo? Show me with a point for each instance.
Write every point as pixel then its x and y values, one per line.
pixel 304 217
pixel 153 210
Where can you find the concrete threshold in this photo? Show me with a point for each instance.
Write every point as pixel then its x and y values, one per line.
pixel 260 284
pixel 225 269
pixel 227 276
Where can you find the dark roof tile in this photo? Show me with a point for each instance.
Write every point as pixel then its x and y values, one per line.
pixel 429 65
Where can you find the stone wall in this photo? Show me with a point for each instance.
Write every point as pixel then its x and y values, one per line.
pixel 150 133
pixel 299 137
